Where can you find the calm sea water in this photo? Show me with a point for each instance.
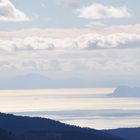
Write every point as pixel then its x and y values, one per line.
pixel 83 107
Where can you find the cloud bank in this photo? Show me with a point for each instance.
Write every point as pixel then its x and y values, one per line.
pixel 100 11
pixel 8 12
pixel 115 37
pixel 107 57
pixel 90 41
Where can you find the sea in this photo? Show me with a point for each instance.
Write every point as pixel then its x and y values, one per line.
pixel 85 107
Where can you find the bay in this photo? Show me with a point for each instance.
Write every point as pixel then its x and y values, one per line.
pixel 83 107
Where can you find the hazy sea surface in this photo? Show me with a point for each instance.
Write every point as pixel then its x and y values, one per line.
pixel 83 107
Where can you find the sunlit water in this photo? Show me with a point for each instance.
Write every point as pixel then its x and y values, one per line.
pixel 83 107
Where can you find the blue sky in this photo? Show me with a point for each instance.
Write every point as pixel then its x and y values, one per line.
pixel 93 40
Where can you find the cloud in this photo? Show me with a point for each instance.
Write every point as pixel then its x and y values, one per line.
pixel 115 37
pixel 90 41
pixel 100 11
pixel 83 54
pixel 95 24
pixel 102 66
pixel 118 40
pixel 8 12
pixel 130 29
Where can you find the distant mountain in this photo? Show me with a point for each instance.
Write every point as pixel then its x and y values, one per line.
pixel 128 133
pixel 125 91
pixel 27 128
pixel 37 81
pixel 27 82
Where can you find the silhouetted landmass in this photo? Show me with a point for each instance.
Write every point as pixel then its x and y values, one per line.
pixel 4 135
pixel 125 91
pixel 27 128
pixel 128 133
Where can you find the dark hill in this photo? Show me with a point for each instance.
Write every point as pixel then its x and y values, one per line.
pixel 128 133
pixel 5 135
pixel 27 128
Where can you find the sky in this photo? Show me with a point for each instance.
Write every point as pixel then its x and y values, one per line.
pixel 97 41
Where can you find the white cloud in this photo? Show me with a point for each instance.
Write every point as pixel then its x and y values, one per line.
pixel 90 41
pixel 8 12
pixel 71 39
pixel 95 25
pixel 130 29
pixel 100 11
